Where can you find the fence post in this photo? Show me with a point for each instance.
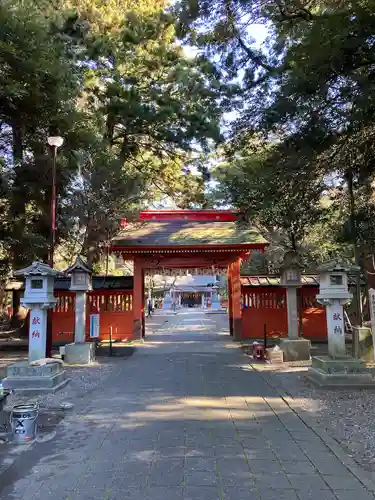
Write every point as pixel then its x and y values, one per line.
pixel 265 336
pixel 110 341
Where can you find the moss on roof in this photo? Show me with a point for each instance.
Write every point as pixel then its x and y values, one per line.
pixel 169 233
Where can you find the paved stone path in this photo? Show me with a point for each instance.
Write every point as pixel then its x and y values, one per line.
pixel 183 418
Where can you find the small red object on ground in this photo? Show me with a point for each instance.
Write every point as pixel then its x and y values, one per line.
pixel 258 351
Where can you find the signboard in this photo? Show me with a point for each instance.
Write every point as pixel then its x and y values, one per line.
pixel 371 293
pixel 37 335
pixel 336 329
pixel 36 324
pixel 94 326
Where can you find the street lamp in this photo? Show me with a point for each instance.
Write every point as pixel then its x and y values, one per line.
pixel 55 142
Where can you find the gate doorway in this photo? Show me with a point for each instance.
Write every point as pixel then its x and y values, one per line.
pixel 189 325
pixel 192 299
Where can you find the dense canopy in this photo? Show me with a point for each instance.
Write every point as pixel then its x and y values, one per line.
pixel 273 101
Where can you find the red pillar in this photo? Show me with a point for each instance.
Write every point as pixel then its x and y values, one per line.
pixel 230 301
pixel 138 300
pixel 143 306
pixel 235 270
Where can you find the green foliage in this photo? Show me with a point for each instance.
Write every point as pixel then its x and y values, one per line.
pixel 271 190
pixel 132 109
pixel 308 94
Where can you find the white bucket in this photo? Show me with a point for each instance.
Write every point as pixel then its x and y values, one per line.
pixel 23 423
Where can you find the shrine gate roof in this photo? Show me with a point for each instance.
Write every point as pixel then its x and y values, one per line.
pixel 187 228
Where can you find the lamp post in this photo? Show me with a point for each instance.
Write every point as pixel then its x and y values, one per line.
pixel 55 142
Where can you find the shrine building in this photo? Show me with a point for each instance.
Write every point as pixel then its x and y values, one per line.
pixel 169 242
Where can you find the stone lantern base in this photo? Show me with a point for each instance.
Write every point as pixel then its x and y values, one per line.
pixel 79 353
pixel 341 373
pixel 24 378
pixel 295 349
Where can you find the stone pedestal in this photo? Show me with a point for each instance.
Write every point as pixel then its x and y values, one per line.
pixel 37 334
pixel 336 329
pixel 292 308
pixel 80 353
pixel 371 293
pixel 215 304
pixel 167 302
pixel 24 378
pixel 295 349
pixel 80 317
pixel 342 373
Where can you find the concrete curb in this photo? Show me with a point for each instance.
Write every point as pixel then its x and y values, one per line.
pixel 365 477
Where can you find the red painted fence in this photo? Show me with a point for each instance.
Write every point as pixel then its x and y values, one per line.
pixel 314 319
pixel 114 307
pixel 268 306
pixel 260 306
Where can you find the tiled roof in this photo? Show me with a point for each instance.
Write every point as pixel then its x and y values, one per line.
pixel 307 280
pixel 98 283
pixel 181 232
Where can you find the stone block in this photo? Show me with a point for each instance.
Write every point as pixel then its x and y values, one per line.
pixel 79 353
pixel 346 364
pixel 295 349
pixel 23 370
pixel 363 347
pixel 274 355
pixel 340 373
pixel 24 378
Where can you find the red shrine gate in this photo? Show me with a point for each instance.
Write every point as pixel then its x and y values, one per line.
pixel 170 241
pixel 187 239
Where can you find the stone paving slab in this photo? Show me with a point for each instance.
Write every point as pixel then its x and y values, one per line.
pixel 184 418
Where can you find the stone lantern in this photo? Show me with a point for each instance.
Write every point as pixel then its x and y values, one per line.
pixel 294 348
pixel 80 352
pixel 291 280
pixel 38 297
pixel 337 369
pixel 38 374
pixel 215 302
pixel 334 294
pixel 80 276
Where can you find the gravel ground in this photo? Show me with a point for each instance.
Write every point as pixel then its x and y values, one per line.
pixel 83 380
pixel 347 415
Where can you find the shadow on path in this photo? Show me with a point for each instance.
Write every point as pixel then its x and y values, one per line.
pixel 184 418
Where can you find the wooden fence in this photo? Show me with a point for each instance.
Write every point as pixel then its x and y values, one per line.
pixel 268 306
pixel 113 306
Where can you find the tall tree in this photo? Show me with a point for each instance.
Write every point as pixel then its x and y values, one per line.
pixel 111 79
pixel 311 82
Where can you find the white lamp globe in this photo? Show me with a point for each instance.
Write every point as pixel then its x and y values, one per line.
pixel 55 141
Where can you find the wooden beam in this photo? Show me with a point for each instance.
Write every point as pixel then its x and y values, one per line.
pixel 235 279
pixel 230 301
pixel 138 300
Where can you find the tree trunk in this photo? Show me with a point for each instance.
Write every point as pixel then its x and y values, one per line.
pixel 2 297
pixel 17 143
pixel 16 304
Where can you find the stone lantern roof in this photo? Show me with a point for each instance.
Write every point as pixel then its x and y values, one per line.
pixel 37 268
pixel 79 265
pixel 335 266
